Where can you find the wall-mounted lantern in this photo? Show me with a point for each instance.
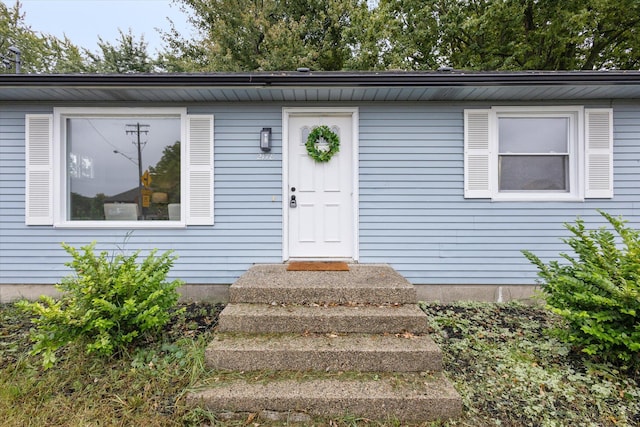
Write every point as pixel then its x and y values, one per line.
pixel 265 139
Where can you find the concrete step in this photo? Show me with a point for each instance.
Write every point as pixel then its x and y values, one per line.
pixel 364 353
pixel 365 284
pixel 333 344
pixel 372 319
pixel 400 398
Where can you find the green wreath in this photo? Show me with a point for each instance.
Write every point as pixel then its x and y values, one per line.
pixel 328 135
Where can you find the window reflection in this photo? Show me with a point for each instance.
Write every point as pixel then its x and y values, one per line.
pixel 529 173
pixel 123 168
pixel 533 134
pixel 533 154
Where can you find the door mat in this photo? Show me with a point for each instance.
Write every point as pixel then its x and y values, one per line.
pixel 317 266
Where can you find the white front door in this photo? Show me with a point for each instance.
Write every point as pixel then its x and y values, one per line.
pixel 321 225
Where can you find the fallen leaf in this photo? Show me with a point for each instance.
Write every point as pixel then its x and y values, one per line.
pixel 405 334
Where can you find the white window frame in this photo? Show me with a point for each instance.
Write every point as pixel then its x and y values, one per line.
pixel 60 190
pixel 575 114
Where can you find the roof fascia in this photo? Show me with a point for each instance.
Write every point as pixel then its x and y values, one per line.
pixel 323 79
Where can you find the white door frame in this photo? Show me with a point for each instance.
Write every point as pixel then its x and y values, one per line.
pixel 320 111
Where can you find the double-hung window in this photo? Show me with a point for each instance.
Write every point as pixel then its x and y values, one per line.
pixel 538 153
pixel 119 167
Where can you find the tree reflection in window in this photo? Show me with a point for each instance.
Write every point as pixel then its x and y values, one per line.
pixel 103 166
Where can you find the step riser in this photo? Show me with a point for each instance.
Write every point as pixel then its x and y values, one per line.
pixel 255 295
pixel 347 324
pixel 400 409
pixel 289 360
pixel 367 284
pixel 377 400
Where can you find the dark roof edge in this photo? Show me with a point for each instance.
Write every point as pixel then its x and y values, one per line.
pixel 350 79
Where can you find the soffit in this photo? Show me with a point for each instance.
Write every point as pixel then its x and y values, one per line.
pixel 321 87
pixel 305 94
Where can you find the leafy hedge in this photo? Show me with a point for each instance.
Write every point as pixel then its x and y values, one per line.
pixel 110 302
pixel 598 291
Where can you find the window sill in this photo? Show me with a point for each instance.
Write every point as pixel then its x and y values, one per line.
pixel 121 224
pixel 537 198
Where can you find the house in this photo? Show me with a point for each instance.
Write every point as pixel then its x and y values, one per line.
pixel 446 176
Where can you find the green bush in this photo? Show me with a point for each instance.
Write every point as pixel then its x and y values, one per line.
pixel 108 303
pixel 598 291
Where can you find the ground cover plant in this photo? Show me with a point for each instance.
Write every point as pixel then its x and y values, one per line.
pixel 507 368
pixel 510 371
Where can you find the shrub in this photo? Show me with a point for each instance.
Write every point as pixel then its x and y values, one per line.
pixel 108 303
pixel 598 292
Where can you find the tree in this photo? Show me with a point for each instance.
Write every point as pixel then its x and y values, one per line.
pixel 371 32
pixel 412 34
pixel 513 34
pixel 40 53
pixel 250 35
pixel 43 53
pixel 166 173
pixel 245 35
pixel 267 35
pixel 128 56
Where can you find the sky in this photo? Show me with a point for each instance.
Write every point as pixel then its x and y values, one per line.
pixel 92 145
pixel 84 20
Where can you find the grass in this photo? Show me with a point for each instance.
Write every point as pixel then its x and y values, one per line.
pixel 145 387
pixel 508 369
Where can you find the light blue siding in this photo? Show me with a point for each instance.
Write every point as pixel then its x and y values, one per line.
pixel 413 214
pixel 247 204
pixel 412 211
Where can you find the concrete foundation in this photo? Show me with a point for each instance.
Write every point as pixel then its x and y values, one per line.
pixel 220 293
pixel 191 292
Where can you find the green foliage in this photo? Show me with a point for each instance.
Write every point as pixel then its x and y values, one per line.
pixel 598 291
pixel 166 173
pixel 146 388
pixel 331 139
pixel 510 372
pixel 127 56
pixel 40 53
pixel 44 53
pixel 330 35
pixel 327 35
pixel 110 302
pixel 247 35
pixel 510 34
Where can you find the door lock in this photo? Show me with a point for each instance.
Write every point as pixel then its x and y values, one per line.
pixel 292 202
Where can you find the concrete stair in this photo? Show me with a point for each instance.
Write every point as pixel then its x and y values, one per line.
pixel 371 319
pixel 358 339
pixel 363 284
pixel 362 353
pixel 417 401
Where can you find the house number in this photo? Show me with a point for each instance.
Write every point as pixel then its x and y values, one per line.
pixel 265 156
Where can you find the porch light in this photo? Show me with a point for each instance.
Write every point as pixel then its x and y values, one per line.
pixel 265 139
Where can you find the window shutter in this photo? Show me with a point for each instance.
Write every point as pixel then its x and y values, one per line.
pixel 39 169
pixel 199 209
pixel 599 153
pixel 476 154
